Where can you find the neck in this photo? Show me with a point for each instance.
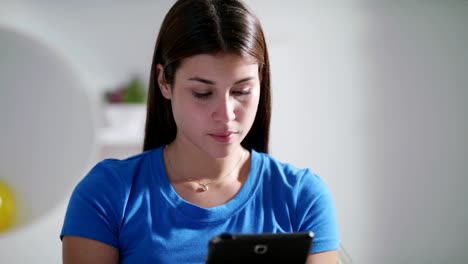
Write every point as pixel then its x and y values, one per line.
pixel 199 166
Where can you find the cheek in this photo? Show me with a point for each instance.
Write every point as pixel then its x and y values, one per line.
pixel 248 110
pixel 188 115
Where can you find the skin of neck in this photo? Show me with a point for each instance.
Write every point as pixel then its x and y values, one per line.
pixel 187 161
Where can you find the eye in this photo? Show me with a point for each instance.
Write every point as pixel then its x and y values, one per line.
pixel 241 92
pixel 201 95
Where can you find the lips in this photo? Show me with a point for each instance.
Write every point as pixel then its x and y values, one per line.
pixel 223 136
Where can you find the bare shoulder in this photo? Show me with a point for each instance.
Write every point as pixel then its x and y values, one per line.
pixel 83 250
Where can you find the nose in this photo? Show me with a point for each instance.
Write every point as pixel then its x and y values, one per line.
pixel 224 110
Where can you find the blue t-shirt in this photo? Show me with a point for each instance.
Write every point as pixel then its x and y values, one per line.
pixel 130 205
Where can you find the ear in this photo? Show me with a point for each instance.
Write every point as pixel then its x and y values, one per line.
pixel 163 86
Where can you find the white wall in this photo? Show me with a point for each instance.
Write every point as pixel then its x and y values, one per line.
pixel 417 146
pixel 370 96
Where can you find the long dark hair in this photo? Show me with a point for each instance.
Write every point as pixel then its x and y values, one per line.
pixel 193 27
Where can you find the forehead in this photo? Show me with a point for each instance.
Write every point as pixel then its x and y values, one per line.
pixel 217 66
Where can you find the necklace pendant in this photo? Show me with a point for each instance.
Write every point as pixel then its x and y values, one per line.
pixel 203 187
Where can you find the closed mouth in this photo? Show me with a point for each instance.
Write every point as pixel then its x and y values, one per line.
pixel 223 133
pixel 223 136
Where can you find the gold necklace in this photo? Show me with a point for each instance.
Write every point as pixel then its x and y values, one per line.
pixel 204 186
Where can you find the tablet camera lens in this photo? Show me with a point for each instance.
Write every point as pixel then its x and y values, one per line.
pixel 260 249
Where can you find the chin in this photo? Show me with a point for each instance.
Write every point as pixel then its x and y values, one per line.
pixel 223 151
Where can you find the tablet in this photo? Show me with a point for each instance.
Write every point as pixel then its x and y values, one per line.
pixel 260 248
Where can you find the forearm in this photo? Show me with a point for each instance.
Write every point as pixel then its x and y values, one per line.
pixel 327 257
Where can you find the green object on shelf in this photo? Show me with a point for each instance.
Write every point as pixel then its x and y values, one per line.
pixel 134 93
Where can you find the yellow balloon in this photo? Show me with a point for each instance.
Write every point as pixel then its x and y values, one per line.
pixel 7 207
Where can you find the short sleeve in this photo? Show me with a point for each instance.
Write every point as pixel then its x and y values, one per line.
pixel 95 206
pixel 316 212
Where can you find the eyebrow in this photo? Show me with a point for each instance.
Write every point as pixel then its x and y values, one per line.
pixel 205 81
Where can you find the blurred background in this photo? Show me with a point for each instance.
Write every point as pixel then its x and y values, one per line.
pixel 372 95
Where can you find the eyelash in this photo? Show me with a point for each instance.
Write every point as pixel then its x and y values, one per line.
pixel 208 94
pixel 242 92
pixel 201 95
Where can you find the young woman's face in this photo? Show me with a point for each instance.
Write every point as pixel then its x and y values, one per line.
pixel 214 101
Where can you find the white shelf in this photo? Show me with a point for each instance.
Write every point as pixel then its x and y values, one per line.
pixel 123 125
pixel 110 136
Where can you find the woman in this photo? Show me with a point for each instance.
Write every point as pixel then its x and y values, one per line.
pixel 205 168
